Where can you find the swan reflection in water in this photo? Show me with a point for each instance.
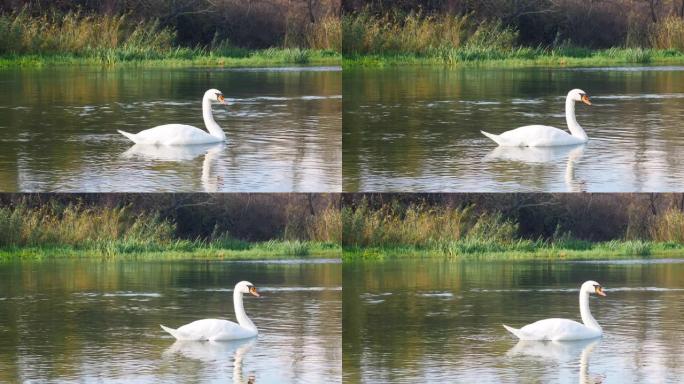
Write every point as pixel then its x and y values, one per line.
pixel 211 181
pixel 545 155
pixel 560 352
pixel 217 353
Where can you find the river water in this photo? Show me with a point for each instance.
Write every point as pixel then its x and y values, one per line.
pixel 84 321
pixel 440 321
pixel 58 129
pixel 417 129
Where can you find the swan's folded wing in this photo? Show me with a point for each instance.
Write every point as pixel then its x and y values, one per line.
pixel 537 136
pixel 558 330
pixel 213 330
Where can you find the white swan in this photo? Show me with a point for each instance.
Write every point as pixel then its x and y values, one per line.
pixel 545 136
pixel 564 329
pixel 180 134
pixel 221 330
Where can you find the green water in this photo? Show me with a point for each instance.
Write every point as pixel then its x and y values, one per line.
pixel 82 321
pixel 58 130
pixel 438 321
pixel 417 129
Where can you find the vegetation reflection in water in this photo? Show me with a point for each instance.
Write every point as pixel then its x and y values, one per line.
pixel 84 321
pixel 434 320
pixel 59 129
pixel 414 129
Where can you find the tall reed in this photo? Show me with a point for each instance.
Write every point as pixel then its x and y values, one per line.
pixel 668 34
pixel 84 35
pixel 75 225
pixel 421 34
pixel 668 227
pixel 421 225
pixel 325 34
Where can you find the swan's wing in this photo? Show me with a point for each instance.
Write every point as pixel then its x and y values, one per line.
pixel 174 134
pixel 538 136
pixel 557 329
pixel 213 330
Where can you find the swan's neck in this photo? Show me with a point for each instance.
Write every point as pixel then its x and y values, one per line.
pixel 587 318
pixel 209 122
pixel 240 314
pixel 575 129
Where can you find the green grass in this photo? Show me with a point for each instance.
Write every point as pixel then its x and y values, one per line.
pixel 522 57
pixel 522 250
pixel 181 250
pixel 180 58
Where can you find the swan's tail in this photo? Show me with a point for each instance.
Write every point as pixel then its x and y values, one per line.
pixel 130 136
pixel 495 138
pixel 512 330
pixel 173 332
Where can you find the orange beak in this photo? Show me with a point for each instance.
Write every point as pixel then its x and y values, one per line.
pixel 585 100
pixel 254 292
pixel 599 291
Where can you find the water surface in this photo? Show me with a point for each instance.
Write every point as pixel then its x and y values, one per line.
pixel 58 130
pixel 84 321
pixel 440 321
pixel 418 129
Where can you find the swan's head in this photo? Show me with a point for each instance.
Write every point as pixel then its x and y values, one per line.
pixel 215 96
pixel 246 287
pixel 578 95
pixel 592 287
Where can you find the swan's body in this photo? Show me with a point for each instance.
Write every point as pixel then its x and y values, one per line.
pixel 180 134
pixel 545 136
pixel 220 330
pixel 564 329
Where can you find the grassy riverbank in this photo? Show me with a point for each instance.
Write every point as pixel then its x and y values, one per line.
pixel 415 38
pixel 77 39
pixel 260 58
pixel 178 250
pixel 397 229
pixel 55 229
pixel 522 57
pixel 520 250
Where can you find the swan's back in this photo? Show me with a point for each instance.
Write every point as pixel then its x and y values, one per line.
pixel 555 329
pixel 172 134
pixel 535 136
pixel 212 330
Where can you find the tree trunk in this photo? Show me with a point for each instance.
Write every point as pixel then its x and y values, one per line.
pixel 311 14
pixel 654 16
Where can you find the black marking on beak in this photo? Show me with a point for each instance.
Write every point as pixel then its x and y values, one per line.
pixel 599 290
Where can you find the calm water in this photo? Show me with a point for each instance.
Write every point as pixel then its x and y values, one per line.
pixel 87 321
pixel 58 129
pixel 418 129
pixel 434 321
